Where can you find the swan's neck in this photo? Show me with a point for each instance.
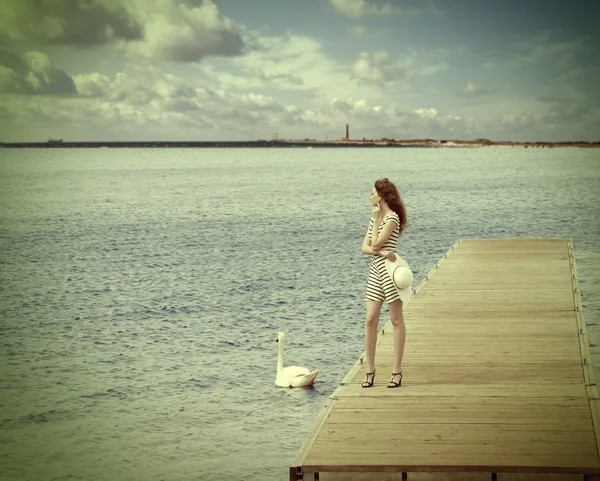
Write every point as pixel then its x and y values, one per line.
pixel 280 357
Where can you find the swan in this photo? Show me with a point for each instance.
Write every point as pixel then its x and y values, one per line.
pixel 292 376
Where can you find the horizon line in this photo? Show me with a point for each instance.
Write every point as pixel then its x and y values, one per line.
pixel 425 140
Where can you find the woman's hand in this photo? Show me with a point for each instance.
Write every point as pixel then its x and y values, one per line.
pixel 390 255
pixel 376 213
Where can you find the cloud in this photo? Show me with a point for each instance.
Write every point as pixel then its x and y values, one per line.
pixel 365 8
pixel 34 74
pixel 361 8
pixel 341 105
pixel 68 22
pixel 150 99
pixel 426 113
pixel 519 121
pixel 545 49
pixel 378 68
pixel 472 90
pixel 382 69
pixel 377 121
pixel 356 110
pixel 160 29
pixel 295 65
pixel 8 80
pixel 139 104
pixel 182 33
pixel 13 71
pixel 567 108
pixel 300 65
pixel 564 59
pixel 291 84
pixel 138 87
pixel 92 85
pixel 44 78
pixel 433 69
pixel 279 77
pixel 358 31
pixel 427 123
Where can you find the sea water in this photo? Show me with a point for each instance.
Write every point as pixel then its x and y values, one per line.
pixel 141 290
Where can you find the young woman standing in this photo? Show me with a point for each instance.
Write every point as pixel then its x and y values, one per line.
pixel 388 220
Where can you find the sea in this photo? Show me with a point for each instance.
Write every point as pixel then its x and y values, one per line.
pixel 142 290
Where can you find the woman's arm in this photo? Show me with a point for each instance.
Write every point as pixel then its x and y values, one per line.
pixel 374 229
pixel 376 219
pixel 367 249
pixel 385 234
pixel 366 246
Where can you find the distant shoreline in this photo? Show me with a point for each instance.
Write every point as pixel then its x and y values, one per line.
pixel 427 143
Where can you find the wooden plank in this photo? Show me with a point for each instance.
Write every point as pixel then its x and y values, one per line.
pixel 500 295
pixel 481 337
pixel 568 414
pixel 508 303
pixel 520 270
pixel 472 441
pixel 514 323
pixel 547 390
pixel 499 259
pixel 497 374
pixel 498 352
pixel 532 245
pixel 448 460
pixel 388 475
pixel 455 278
pixel 505 439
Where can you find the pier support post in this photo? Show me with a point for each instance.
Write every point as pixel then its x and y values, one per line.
pixel 296 473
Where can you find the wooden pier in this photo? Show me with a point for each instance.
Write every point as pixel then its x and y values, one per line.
pixel 498 378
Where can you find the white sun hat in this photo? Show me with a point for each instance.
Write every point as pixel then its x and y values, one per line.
pixel 401 276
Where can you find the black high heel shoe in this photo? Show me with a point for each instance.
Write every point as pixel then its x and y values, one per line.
pixel 394 383
pixel 366 382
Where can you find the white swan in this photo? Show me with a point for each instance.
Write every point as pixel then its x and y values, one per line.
pixel 292 376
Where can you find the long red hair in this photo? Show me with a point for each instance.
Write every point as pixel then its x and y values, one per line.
pixel 388 192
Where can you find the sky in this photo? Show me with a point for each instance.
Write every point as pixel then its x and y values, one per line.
pixel 194 70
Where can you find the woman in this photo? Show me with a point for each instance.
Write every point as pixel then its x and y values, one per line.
pixel 388 220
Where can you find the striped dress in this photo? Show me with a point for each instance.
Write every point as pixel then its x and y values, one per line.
pixel 379 284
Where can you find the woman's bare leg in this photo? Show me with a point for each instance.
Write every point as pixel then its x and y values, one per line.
pixel 373 311
pixel 397 320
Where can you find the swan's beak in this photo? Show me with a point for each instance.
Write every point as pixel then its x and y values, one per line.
pixel 277 340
